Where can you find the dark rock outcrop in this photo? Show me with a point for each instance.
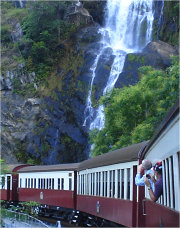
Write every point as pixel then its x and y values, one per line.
pixel 160 50
pixel 156 54
pixel 17 32
pixel 78 15
pixel 17 121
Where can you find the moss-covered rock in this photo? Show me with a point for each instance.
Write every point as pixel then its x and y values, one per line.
pixel 156 54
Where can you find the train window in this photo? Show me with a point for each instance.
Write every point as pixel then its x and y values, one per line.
pixel 128 179
pixel 31 182
pixel 70 184
pixel 102 183
pixel 88 179
pixel 90 184
pixel 3 182
pixel 97 179
pixel 122 182
pixel 49 183
pixel 93 184
pixel 83 184
pixel 106 182
pixel 39 185
pixel 44 183
pixel 62 183
pixel 58 183
pixel 52 183
pixel 20 184
pixel 119 184
pixel 78 184
pixel 26 183
pixel 99 184
pixel 110 186
pixel 113 183
pixel 172 183
pixel 34 182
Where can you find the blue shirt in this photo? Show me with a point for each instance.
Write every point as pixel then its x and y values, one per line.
pixel 139 181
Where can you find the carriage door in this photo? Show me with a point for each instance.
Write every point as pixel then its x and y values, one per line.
pixel 8 187
pixel 15 187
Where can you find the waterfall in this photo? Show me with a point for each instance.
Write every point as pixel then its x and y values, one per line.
pixel 160 18
pixel 128 29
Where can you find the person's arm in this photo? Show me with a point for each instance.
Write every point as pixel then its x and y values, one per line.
pixel 151 194
pixel 139 180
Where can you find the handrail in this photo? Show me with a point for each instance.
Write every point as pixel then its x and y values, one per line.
pixel 29 217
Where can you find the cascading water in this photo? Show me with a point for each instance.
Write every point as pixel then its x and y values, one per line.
pixel 128 29
pixel 160 18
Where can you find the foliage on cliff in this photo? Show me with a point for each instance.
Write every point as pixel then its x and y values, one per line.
pixel 169 31
pixel 132 113
pixel 44 34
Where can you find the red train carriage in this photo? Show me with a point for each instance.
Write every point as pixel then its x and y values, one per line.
pixel 106 185
pixel 50 185
pixel 9 183
pixel 164 146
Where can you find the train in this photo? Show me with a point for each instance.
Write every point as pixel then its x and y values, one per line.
pixel 101 191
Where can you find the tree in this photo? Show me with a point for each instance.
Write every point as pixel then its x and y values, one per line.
pixel 45 32
pixel 132 113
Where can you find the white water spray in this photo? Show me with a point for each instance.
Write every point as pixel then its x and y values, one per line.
pixel 128 30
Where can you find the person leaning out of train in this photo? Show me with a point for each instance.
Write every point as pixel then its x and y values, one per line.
pixel 157 180
pixel 144 168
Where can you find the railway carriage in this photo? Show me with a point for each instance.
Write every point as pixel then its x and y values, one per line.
pixel 164 146
pixel 52 185
pixel 106 185
pixel 9 183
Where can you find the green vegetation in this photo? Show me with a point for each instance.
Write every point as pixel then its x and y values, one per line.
pixel 136 58
pixel 132 113
pixel 73 150
pixel 22 155
pixel 28 207
pixel 44 34
pixel 4 168
pixel 43 44
pixel 170 29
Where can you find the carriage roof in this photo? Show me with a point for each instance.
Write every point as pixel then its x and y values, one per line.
pixel 126 154
pixel 49 168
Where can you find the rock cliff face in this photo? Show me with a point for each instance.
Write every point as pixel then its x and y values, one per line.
pixel 46 126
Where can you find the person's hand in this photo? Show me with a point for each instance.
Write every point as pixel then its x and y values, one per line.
pixel 152 178
pixel 146 181
pixel 140 168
